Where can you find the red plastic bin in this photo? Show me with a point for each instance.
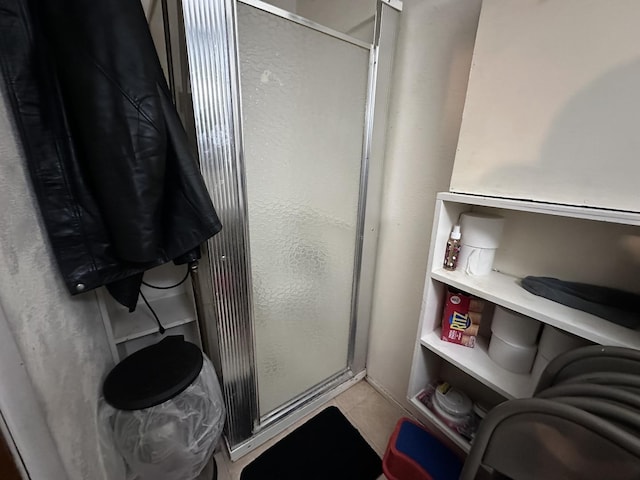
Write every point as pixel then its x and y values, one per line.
pixel 413 453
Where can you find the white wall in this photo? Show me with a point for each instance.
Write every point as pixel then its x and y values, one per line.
pixel 430 79
pixel 61 339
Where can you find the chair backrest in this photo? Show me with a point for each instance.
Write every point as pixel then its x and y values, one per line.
pixel 625 416
pixel 583 360
pixel 590 390
pixel 531 439
pixel 613 379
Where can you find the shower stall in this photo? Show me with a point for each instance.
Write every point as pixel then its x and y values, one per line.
pixel 288 111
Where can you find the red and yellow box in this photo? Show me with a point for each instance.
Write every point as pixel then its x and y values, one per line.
pixel 461 318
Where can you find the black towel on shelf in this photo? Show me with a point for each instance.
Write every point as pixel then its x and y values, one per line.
pixel 614 305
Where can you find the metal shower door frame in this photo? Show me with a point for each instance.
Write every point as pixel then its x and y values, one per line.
pixel 213 63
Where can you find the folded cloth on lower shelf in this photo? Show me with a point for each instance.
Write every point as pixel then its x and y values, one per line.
pixel 614 305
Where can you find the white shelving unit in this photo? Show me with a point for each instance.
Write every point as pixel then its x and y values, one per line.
pixel 129 332
pixel 477 363
pixel 505 290
pixel 542 239
pixel 457 439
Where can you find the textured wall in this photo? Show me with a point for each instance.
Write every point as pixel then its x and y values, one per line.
pixel 61 339
pixel 430 79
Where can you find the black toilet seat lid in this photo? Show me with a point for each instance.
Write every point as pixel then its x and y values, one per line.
pixel 153 375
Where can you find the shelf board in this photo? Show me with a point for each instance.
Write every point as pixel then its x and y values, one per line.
pixel 505 290
pixel 477 363
pixel 586 213
pixel 432 418
pixel 172 311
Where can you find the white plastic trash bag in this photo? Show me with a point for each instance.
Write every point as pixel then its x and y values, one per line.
pixel 175 439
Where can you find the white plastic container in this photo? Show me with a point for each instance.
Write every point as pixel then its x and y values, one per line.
pixel 515 328
pixel 480 410
pixel 451 405
pixel 453 401
pixel 515 358
pixel 481 234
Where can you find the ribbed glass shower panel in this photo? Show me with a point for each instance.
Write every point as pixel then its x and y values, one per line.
pixel 209 30
pixel 303 98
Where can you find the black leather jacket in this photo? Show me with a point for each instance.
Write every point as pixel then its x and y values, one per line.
pixel 118 186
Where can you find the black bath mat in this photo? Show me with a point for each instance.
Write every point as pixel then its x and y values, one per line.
pixel 326 447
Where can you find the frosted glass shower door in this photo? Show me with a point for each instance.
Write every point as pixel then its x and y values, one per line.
pixel 303 100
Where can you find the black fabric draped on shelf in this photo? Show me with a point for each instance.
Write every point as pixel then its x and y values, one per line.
pixel 118 186
pixel 612 304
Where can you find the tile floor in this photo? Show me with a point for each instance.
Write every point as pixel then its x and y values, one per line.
pixel 371 413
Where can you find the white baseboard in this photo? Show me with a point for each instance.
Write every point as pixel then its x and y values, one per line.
pixel 385 393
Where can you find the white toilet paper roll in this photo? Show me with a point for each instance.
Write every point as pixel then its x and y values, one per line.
pixel 476 261
pixel 481 230
pixel 539 364
pixel 554 342
pixel 515 328
pixel 515 358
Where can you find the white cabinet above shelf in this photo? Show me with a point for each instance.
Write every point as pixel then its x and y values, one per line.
pixel 585 213
pixel 505 290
